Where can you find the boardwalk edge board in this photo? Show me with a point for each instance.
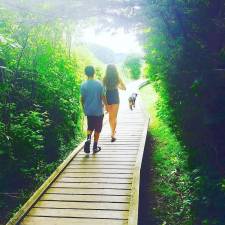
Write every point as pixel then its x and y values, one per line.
pixel 134 202
pixel 35 197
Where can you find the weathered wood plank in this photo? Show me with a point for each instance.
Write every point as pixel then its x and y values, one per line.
pixel 100 169
pixel 78 213
pixel 127 144
pixel 82 160
pixel 83 205
pixel 106 155
pixel 127 154
pixel 29 220
pixel 85 198
pixel 102 163
pixel 91 185
pixel 85 191
pixel 97 175
pixel 95 180
pixel 101 166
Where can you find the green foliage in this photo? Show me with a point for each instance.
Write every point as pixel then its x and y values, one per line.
pixel 172 183
pixel 87 58
pixel 133 64
pixel 40 113
pixel 184 53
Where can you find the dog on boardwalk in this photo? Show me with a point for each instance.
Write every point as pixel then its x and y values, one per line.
pixel 132 100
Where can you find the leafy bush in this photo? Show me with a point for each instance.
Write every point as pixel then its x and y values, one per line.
pixel 172 184
pixel 185 47
pixel 133 64
pixel 40 113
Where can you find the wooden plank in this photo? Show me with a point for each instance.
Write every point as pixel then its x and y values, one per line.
pixel 108 149
pixel 85 191
pixel 123 145
pixel 102 163
pixel 91 185
pixel 29 220
pixel 110 155
pixel 118 147
pixel 101 166
pixel 122 137
pixel 79 213
pixel 94 180
pixel 100 169
pixel 117 180
pixel 105 156
pixel 97 175
pixel 83 205
pixel 99 160
pixel 125 132
pixel 121 134
pixel 127 126
pixel 105 160
pixel 85 198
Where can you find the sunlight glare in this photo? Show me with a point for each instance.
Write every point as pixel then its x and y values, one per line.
pixel 118 41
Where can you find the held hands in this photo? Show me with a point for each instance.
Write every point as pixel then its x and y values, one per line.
pixel 106 108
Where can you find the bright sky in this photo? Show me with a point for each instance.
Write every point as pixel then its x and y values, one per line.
pixel 118 41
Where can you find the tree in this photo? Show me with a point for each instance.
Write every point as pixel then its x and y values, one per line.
pixel 133 64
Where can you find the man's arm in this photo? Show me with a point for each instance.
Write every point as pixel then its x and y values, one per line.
pixel 82 102
pixel 104 98
pixel 105 102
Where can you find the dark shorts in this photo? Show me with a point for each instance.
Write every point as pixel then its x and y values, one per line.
pixel 112 97
pixel 95 123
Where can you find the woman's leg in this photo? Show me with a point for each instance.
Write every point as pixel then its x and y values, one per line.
pixel 110 111
pixel 115 108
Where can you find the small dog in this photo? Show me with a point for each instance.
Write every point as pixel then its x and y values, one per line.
pixel 132 100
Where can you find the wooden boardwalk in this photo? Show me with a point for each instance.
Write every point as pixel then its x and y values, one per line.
pixel 101 189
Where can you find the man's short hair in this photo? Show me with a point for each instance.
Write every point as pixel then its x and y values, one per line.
pixel 89 71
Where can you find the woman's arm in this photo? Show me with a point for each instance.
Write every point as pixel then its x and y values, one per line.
pixel 121 85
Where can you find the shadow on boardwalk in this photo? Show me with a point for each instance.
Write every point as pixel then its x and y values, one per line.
pixel 147 201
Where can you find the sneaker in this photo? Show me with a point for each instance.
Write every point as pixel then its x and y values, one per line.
pixel 113 139
pixel 87 146
pixel 96 150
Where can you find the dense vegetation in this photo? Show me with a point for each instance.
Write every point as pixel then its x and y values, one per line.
pixel 40 114
pixel 40 117
pixel 169 191
pixel 185 47
pixel 133 65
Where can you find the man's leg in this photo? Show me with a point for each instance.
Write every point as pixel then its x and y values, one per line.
pixel 96 137
pixel 89 133
pixel 98 129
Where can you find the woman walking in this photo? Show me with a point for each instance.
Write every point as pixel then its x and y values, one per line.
pixel 112 83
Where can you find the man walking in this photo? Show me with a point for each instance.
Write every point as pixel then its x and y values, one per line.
pixel 92 98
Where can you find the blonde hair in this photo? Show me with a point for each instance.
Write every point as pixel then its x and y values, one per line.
pixel 111 79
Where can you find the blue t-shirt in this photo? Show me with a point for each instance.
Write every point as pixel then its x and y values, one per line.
pixel 92 92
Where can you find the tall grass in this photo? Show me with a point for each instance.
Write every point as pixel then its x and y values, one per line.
pixel 171 182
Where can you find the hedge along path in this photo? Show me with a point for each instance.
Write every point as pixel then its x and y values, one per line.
pixel 100 189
